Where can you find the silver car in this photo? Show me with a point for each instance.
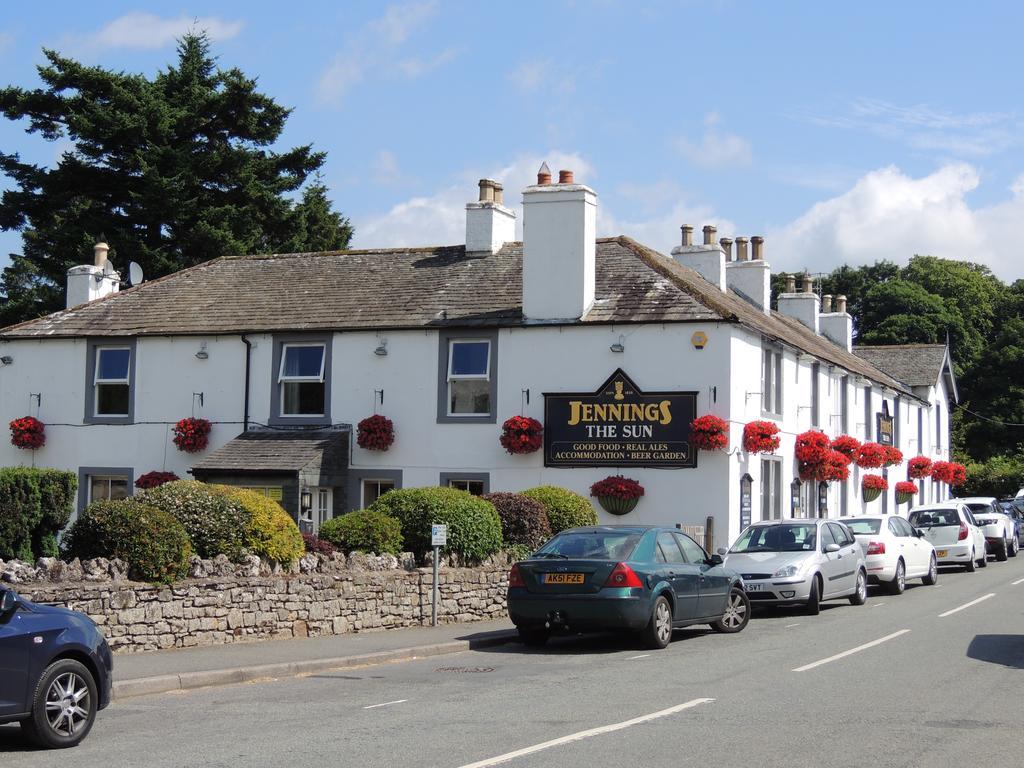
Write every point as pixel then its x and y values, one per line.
pixel 799 562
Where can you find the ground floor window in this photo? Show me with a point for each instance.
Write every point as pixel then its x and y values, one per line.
pixel 374 489
pixel 476 483
pixel 107 487
pixel 274 492
pixel 771 489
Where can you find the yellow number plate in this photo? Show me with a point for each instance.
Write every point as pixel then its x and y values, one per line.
pixel 940 553
pixel 563 578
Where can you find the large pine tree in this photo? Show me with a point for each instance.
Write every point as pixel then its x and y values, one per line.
pixel 172 171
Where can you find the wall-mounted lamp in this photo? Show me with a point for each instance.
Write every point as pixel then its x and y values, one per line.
pixel 382 348
pixel 619 346
pixel 306 500
pixel 6 359
pixel 202 354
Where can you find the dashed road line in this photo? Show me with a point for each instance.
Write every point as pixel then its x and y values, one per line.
pixel 852 651
pixel 641 656
pixel 967 605
pixel 386 704
pixel 1018 581
pixel 790 626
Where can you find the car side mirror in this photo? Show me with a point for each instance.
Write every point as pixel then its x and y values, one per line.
pixel 715 559
pixel 919 533
pixel 722 551
pixel 831 547
pixel 8 602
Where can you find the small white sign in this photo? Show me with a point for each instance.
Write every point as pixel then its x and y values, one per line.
pixel 438 535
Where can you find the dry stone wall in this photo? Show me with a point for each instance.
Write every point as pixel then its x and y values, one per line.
pixel 229 604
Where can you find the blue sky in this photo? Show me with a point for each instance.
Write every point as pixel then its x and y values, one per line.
pixel 841 132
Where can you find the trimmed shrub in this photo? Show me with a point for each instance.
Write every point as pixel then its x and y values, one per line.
pixel 318 546
pixel 565 509
pixel 57 499
pixel 365 530
pixel 474 528
pixel 152 542
pixel 216 524
pixel 524 521
pixel 20 512
pixel 272 533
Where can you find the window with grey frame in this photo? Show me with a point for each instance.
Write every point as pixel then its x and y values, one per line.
pixel 302 379
pixel 476 483
pixel 771 380
pixel 815 394
pixel 469 377
pixel 844 405
pixel 112 384
pixel 867 413
pixel 771 489
pixel 938 427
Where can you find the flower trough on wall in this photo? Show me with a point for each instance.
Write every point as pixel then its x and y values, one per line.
pixel 28 432
pixel 521 434
pixel 905 491
pixel 893 455
pixel 872 486
pixel 617 494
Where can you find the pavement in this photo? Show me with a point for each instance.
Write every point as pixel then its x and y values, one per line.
pixel 931 678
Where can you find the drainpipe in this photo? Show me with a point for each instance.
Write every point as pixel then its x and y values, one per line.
pixel 248 365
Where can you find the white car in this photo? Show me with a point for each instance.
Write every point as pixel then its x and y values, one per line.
pixel 894 551
pixel 995 524
pixel 952 530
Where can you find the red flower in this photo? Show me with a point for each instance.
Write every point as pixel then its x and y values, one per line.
pixel 834 468
pixel 874 483
pixel 919 468
pixel 709 433
pixel 812 447
pixel 153 479
pixel 375 433
pixel 905 486
pixel 521 434
pixel 617 487
pixel 949 472
pixel 192 435
pixel 28 432
pixel 761 437
pixel 893 455
pixel 871 456
pixel 846 445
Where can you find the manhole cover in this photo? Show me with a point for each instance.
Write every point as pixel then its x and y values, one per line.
pixel 464 670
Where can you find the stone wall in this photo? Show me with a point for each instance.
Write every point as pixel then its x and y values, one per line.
pixel 334 597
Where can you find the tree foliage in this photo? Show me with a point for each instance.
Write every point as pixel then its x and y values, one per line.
pixel 173 171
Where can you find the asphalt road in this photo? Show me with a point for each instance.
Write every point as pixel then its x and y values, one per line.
pixel 922 687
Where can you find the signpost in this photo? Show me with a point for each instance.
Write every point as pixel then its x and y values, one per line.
pixel 438 539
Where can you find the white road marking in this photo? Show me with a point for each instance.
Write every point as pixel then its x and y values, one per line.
pixel 790 626
pixel 967 605
pixel 1018 581
pixel 386 704
pixel 877 605
pixel 579 736
pixel 852 651
pixel 641 656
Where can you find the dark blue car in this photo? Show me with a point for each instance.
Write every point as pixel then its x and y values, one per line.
pixel 55 671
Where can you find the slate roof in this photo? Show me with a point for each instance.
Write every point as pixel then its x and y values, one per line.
pixel 277 451
pixel 415 288
pixel 916 365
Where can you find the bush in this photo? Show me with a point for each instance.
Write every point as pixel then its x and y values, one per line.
pixel 565 509
pixel 57 499
pixel 272 534
pixel 474 528
pixel 21 512
pixel 216 524
pixel 152 542
pixel 318 546
pixel 998 476
pixel 524 521
pixel 365 530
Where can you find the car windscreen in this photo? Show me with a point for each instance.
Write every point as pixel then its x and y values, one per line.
pixel 788 537
pixel 933 518
pixel 591 545
pixel 863 525
pixel 979 508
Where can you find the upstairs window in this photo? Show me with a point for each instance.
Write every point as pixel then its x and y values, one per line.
pixel 112 381
pixel 469 377
pixel 301 379
pixel 771 381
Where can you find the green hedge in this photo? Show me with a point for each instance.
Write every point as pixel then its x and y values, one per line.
pixel 151 542
pixel 365 530
pixel 35 504
pixel 474 529
pixel 272 534
pixel 565 509
pixel 216 524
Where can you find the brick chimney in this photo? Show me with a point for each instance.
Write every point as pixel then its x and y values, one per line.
pixel 88 282
pixel 708 259
pixel 489 224
pixel 559 245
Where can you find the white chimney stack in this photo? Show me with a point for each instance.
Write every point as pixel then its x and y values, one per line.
pixel 489 224
pixel 750 278
pixel 803 304
pixel 707 259
pixel 837 326
pixel 559 244
pixel 88 282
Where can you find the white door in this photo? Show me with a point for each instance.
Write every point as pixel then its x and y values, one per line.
pixel 323 507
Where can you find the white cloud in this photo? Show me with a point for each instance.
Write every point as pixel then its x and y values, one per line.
pixel 375 51
pixel 149 31
pixel 533 75
pixel 715 149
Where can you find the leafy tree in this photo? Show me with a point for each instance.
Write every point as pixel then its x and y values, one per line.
pixel 173 170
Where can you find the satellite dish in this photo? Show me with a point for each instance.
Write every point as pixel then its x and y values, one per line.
pixel 135 276
pixel 108 268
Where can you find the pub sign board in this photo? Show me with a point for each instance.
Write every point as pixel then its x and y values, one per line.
pixel 619 426
pixel 884 426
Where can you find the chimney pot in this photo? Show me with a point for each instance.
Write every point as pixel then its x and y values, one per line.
pixel 826 303
pixel 687 234
pixel 486 190
pixel 808 284
pixel 741 248
pixel 710 234
pixel 841 303
pixel 726 244
pixel 790 283
pixel 565 177
pixel 99 254
pixel 543 175
pixel 497 189
pixel 757 247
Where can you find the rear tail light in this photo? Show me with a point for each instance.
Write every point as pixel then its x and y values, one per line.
pixel 963 532
pixel 623 576
pixel 876 547
pixel 515 578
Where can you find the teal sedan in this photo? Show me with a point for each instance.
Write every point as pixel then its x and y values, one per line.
pixel 642 579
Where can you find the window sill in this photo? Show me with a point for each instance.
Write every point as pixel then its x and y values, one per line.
pixel 468 419
pixel 108 420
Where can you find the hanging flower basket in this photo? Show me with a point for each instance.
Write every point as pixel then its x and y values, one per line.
pixel 521 434
pixel 709 433
pixel 893 455
pixel 834 468
pixel 905 491
pixel 872 486
pixel 942 471
pixel 192 435
pixel 848 446
pixel 154 479
pixel 812 447
pixel 375 433
pixel 616 494
pixel 761 437
pixel 871 456
pixel 919 468
pixel 28 432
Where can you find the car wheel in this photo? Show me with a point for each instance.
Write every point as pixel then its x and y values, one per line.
pixel 814 598
pixel 1001 551
pixel 1014 547
pixel 860 593
pixel 63 706
pixel 533 637
pixel 972 564
pixel 658 633
pixel 737 613
pixel 983 563
pixel 899 581
pixel 932 577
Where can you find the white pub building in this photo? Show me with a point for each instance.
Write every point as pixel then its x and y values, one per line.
pixel 612 346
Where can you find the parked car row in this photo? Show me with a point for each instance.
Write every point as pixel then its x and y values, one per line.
pixel 651 580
